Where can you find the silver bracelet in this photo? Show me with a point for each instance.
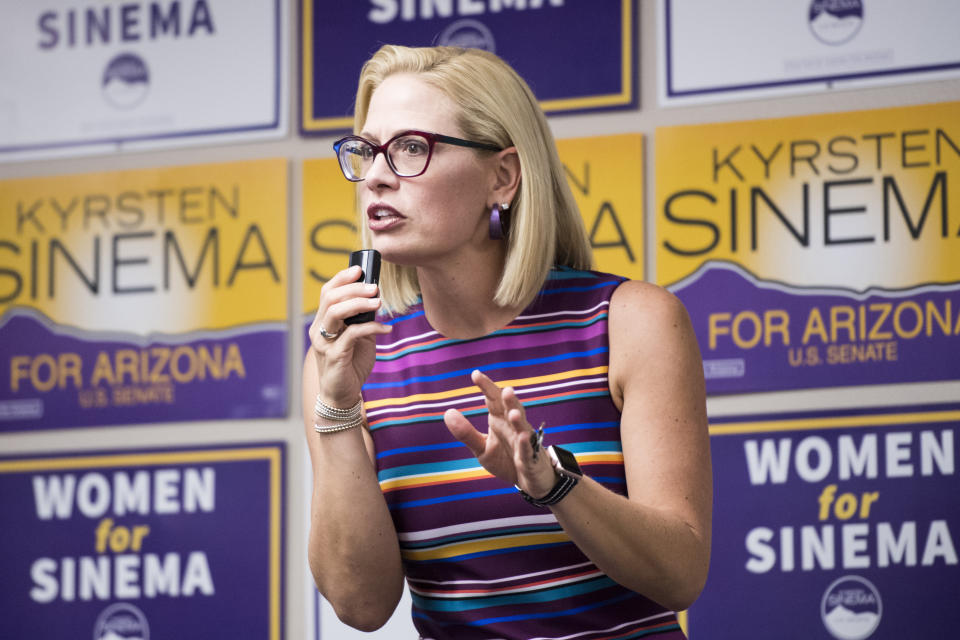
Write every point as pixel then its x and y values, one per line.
pixel 335 414
pixel 338 427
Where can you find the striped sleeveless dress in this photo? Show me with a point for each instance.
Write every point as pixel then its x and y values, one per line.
pixel 480 561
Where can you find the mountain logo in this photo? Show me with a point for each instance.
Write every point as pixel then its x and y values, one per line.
pixel 126 81
pixel 121 621
pixel 471 34
pixel 851 608
pixel 835 21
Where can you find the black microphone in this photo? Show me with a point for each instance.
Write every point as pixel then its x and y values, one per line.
pixel 369 261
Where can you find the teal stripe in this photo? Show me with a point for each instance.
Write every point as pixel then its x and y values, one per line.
pixel 428 418
pixel 471 463
pixel 546 595
pixel 428 467
pixel 565 273
pixel 596 445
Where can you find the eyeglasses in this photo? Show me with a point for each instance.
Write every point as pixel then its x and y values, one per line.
pixel 408 154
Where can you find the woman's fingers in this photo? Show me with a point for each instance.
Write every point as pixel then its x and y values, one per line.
pixel 463 431
pixel 341 297
pixel 491 393
pixel 516 413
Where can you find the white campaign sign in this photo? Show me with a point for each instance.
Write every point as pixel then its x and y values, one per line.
pixel 712 51
pixel 83 76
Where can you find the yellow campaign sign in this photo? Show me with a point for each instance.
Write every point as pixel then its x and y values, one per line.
pixel 854 200
pixel 165 250
pixel 815 251
pixel 126 292
pixel 605 174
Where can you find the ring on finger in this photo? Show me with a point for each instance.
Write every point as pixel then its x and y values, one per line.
pixel 327 335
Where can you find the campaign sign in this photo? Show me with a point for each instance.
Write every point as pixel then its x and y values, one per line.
pixel 834 524
pixel 816 251
pixel 605 174
pixel 576 55
pixel 84 77
pixel 184 543
pixel 143 296
pixel 712 51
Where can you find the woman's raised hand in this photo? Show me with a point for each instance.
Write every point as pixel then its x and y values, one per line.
pixel 506 450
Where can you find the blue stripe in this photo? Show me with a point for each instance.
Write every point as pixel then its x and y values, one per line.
pixel 489 367
pixel 547 595
pixel 581 425
pixel 609 480
pixel 454 498
pixel 409 316
pixel 431 447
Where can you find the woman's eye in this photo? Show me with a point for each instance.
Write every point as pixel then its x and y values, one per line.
pixel 413 147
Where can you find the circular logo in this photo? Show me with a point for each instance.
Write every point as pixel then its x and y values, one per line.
pixel 851 608
pixel 121 621
pixel 126 81
pixel 835 21
pixel 469 34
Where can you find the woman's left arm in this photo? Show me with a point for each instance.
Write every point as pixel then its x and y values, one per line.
pixel 657 541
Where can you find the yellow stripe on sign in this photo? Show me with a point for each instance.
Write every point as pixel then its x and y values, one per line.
pixel 841 422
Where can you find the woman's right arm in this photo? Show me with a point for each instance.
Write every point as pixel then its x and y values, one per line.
pixel 352 549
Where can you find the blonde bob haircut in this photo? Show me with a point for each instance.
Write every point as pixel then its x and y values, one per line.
pixel 495 107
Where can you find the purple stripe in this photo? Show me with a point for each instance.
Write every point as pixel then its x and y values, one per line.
pixel 558 339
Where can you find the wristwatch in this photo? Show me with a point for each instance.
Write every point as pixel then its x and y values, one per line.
pixel 568 474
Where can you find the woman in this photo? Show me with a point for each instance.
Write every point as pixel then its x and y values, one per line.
pixel 489 327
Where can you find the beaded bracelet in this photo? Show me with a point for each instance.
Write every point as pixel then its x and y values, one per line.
pixel 344 418
pixel 336 414
pixel 338 427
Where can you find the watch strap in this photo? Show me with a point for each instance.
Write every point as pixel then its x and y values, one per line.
pixel 559 492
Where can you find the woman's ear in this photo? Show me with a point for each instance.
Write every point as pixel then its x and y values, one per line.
pixel 507 175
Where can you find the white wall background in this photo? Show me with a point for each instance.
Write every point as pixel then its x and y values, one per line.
pixel 297 601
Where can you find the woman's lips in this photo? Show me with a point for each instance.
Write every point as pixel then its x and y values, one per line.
pixel 381 217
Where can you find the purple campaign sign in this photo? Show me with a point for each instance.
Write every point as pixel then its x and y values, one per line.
pixel 580 53
pixel 56 378
pixel 834 525
pixel 184 544
pixel 761 336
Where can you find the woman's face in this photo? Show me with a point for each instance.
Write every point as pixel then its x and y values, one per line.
pixel 429 218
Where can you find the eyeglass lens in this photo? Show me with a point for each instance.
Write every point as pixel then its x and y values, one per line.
pixel 407 156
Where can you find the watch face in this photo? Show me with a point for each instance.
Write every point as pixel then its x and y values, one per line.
pixel 566 461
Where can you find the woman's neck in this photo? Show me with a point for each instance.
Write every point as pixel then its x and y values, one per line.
pixel 458 298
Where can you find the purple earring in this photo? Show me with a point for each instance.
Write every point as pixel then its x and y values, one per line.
pixel 498 223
